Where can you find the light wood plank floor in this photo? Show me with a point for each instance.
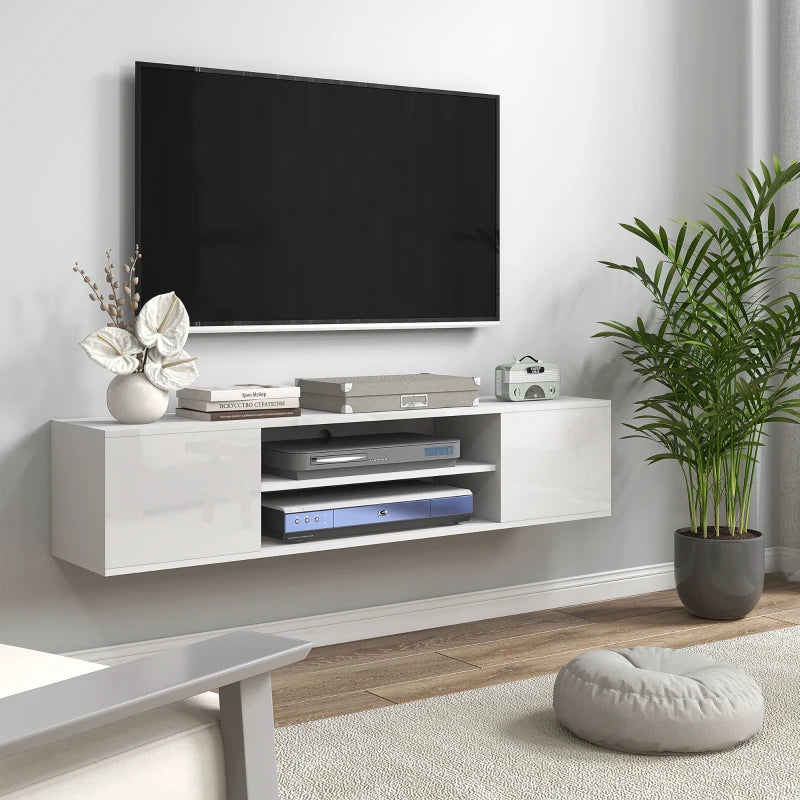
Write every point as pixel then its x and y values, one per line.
pixel 357 676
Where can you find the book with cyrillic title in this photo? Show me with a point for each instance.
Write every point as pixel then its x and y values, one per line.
pixel 239 405
pixel 253 413
pixel 239 391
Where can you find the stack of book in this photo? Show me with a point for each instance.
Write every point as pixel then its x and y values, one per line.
pixel 242 401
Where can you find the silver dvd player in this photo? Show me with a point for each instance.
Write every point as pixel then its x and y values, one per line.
pixel 306 458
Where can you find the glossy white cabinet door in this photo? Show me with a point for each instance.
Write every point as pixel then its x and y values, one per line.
pixel 181 496
pixel 555 464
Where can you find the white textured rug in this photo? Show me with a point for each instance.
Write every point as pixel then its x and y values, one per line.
pixel 503 743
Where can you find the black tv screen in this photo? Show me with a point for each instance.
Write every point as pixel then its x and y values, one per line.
pixel 274 200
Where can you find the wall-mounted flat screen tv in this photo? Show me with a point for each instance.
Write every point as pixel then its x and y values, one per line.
pixel 268 201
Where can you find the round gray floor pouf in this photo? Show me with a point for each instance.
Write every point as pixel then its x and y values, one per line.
pixel 657 700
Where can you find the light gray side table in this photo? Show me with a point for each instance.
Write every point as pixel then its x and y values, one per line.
pixel 238 664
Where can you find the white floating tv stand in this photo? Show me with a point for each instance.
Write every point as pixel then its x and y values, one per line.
pixel 182 493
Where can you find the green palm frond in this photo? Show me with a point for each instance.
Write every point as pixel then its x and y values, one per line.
pixel 723 345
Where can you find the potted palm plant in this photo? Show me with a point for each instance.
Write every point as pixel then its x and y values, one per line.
pixel 722 350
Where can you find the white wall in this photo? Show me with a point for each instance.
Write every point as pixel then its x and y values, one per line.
pixel 785 447
pixel 609 108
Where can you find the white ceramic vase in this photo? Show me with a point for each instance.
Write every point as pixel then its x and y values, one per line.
pixel 132 399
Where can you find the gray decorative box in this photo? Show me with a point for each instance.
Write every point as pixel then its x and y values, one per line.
pixel 355 394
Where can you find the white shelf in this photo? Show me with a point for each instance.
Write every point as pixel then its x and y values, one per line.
pixel 486 405
pixel 273 483
pixel 272 548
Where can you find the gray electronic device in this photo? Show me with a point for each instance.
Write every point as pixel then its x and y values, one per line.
pixel 306 458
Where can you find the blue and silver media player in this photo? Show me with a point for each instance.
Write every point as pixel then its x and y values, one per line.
pixel 344 511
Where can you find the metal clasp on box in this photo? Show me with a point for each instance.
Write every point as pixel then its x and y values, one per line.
pixel 413 401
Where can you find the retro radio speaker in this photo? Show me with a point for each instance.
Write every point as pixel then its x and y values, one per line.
pixel 527 379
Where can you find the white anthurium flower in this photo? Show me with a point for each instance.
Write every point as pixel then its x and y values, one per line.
pixel 170 372
pixel 115 349
pixel 163 323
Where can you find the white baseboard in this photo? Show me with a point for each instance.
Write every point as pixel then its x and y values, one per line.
pixel 366 623
pixel 772 560
pixel 787 560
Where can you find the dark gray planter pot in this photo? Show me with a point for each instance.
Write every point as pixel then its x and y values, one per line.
pixel 719 579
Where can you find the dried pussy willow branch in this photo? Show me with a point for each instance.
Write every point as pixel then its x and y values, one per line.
pixel 122 308
pixel 130 292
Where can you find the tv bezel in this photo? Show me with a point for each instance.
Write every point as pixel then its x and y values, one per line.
pixel 306 325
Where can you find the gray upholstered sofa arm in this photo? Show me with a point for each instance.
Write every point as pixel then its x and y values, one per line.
pixel 238 664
